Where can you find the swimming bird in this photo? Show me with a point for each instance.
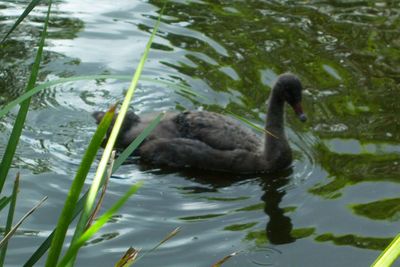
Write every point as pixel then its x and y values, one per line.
pixel 211 141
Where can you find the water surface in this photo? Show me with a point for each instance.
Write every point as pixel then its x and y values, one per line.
pixel 337 206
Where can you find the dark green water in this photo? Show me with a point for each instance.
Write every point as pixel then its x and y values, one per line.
pixel 339 204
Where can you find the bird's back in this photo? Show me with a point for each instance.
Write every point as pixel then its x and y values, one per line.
pixel 217 131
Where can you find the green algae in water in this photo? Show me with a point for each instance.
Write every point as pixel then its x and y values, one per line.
pixel 240 227
pixel 376 243
pixel 201 217
pixel 385 209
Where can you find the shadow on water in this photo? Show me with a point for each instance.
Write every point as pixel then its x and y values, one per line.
pixel 279 226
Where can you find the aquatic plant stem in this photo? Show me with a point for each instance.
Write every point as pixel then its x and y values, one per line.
pixel 79 206
pixel 76 188
pixel 389 255
pixel 73 249
pixel 18 224
pixel 87 210
pixel 10 217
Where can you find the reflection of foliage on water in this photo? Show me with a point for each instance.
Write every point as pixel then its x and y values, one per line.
pixel 103 237
pixel 374 243
pixel 302 232
pixel 337 50
pixel 349 169
pixel 201 217
pixel 346 53
pixel 258 237
pixel 386 209
pixel 13 72
pixel 62 27
pixel 18 51
pixel 240 227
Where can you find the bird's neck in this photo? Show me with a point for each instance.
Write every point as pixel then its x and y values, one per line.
pixel 276 141
pixel 275 113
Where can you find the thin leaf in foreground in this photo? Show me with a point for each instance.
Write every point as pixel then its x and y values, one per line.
pixel 128 259
pixel 223 260
pixel 27 10
pixel 4 202
pixel 76 188
pixel 73 249
pixel 10 217
pixel 168 237
pixel 23 111
pixel 389 255
pixel 254 126
pixel 103 191
pixel 136 143
pixel 110 145
pixel 79 206
pixel 8 236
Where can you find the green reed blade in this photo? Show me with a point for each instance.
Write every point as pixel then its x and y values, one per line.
pixel 10 217
pixel 128 258
pixel 4 202
pixel 27 10
pixel 225 259
pixel 18 224
pixel 138 140
pixel 42 249
pixel 79 206
pixel 109 147
pixel 252 125
pixel 23 111
pixel 389 255
pixel 96 210
pixel 172 234
pixel 76 188
pixel 73 249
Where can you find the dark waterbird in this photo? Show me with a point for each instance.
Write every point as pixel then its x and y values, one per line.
pixel 211 141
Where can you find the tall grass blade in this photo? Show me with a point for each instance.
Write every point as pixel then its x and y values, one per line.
pixel 128 259
pixel 168 237
pixel 389 255
pixel 73 249
pixel 4 202
pixel 110 144
pixel 136 143
pixel 76 188
pixel 12 231
pixel 35 257
pixel 223 260
pixel 10 217
pixel 103 191
pixel 20 120
pixel 122 157
pixel 252 125
pixel 27 10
